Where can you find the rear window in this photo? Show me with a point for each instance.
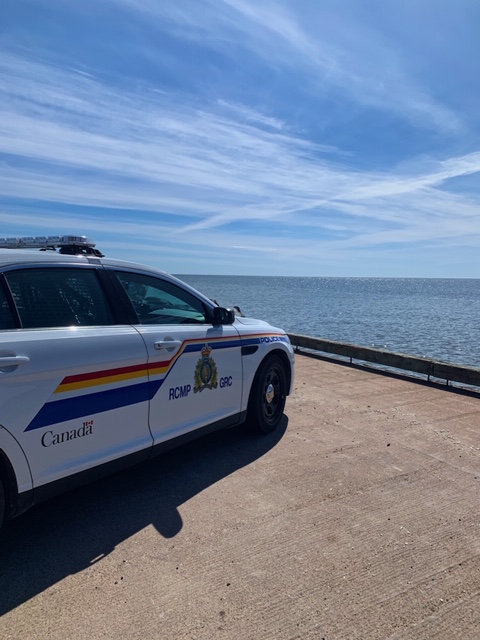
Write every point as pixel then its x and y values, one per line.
pixel 58 297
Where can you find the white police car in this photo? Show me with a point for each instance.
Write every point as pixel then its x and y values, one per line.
pixel 104 363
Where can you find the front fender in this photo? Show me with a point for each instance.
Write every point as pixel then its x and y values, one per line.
pixel 252 363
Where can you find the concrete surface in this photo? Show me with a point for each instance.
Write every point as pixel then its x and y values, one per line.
pixel 359 519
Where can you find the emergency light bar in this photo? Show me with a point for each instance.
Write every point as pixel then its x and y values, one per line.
pixel 45 242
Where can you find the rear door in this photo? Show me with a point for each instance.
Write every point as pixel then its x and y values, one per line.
pixel 73 385
pixel 195 368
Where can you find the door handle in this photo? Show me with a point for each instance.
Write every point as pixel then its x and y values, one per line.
pixel 167 345
pixel 13 361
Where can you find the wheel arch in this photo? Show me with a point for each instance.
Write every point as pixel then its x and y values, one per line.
pixel 286 363
pixel 10 486
pixel 15 475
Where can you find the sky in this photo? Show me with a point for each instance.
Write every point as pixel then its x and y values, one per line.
pixel 247 137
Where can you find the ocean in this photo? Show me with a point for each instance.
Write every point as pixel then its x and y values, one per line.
pixel 426 317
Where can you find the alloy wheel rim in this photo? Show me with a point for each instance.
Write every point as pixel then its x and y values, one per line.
pixel 271 395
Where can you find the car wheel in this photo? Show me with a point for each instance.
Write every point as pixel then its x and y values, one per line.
pixel 268 395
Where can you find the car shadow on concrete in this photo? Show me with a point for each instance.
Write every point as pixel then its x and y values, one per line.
pixel 68 534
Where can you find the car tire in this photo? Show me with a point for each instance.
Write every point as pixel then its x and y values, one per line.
pixel 268 396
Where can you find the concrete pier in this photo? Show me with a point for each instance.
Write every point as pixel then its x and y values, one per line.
pixel 359 519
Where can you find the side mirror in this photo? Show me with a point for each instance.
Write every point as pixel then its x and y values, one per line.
pixel 223 316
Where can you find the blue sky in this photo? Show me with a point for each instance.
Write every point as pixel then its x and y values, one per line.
pixel 280 137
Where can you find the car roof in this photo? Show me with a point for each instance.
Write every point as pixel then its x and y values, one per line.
pixel 18 257
pixel 32 256
pixel 29 256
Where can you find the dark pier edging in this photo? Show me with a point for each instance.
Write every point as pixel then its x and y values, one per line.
pixel 431 369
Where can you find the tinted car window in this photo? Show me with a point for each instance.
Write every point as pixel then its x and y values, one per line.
pixel 6 317
pixel 58 297
pixel 160 302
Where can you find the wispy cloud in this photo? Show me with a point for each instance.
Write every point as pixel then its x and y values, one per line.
pixel 156 156
pixel 329 50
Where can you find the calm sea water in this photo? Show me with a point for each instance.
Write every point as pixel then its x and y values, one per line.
pixel 434 318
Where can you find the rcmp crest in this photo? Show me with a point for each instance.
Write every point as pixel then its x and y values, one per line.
pixel 206 374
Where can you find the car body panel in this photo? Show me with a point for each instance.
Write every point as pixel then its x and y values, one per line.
pixel 195 382
pixel 79 400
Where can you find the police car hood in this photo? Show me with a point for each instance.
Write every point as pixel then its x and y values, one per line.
pixel 253 321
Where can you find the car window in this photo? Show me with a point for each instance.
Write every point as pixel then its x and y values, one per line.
pixel 58 297
pixel 6 317
pixel 157 301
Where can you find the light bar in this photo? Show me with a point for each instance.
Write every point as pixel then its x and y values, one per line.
pixel 44 242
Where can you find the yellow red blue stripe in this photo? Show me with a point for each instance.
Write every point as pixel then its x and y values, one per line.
pixel 132 389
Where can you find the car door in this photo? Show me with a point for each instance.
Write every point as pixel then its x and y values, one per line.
pixel 195 368
pixel 73 385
